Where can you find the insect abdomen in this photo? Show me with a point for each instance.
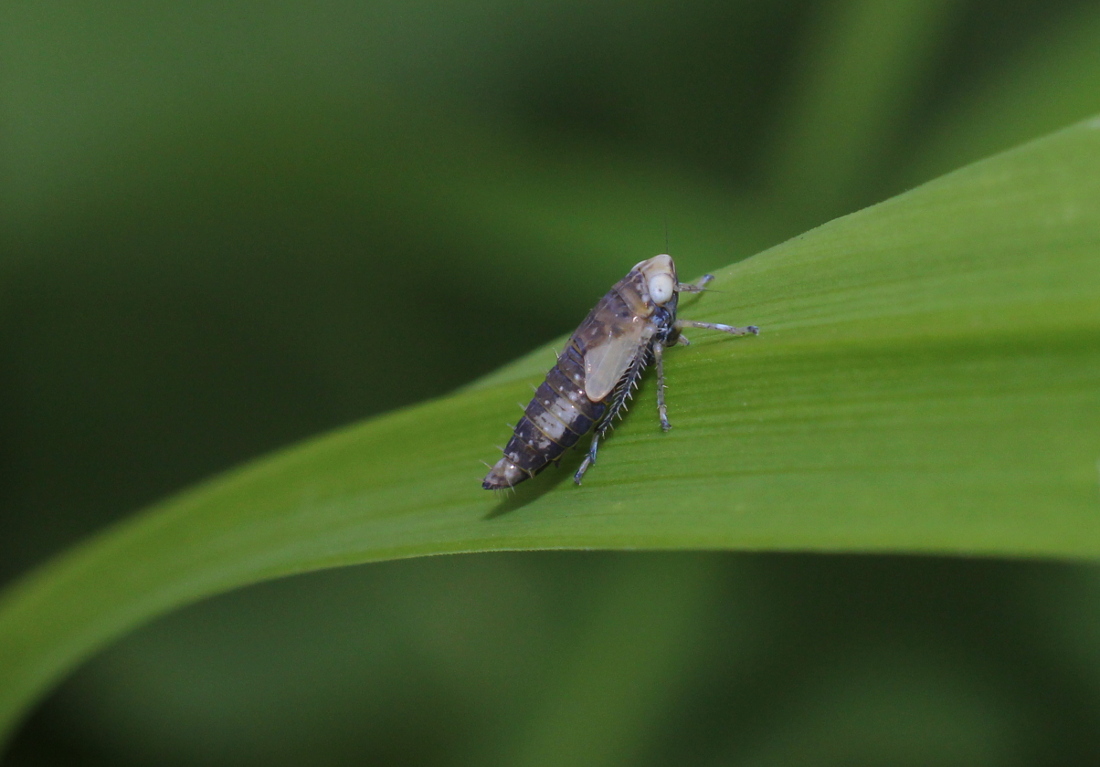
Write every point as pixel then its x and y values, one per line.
pixel 558 415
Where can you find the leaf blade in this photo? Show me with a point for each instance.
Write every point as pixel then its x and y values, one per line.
pixel 928 380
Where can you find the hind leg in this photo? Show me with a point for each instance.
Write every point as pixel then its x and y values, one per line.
pixel 588 459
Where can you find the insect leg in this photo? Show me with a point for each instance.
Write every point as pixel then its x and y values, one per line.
pixel 588 459
pixel 733 331
pixel 695 287
pixel 682 340
pixel 662 410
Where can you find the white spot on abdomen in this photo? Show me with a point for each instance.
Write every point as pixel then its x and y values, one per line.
pixel 550 426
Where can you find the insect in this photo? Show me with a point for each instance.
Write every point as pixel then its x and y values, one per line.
pixel 595 375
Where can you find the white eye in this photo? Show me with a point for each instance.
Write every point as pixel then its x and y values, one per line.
pixel 660 288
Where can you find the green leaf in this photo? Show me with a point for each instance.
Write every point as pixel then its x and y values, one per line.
pixel 927 380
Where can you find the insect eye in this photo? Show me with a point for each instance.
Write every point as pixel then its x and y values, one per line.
pixel 660 288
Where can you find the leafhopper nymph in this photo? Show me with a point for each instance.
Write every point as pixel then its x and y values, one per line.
pixel 595 375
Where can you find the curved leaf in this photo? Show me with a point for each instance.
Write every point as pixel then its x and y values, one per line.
pixel 927 380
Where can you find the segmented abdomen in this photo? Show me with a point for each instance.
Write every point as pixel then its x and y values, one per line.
pixel 558 415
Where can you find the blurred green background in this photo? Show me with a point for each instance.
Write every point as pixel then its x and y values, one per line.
pixel 227 226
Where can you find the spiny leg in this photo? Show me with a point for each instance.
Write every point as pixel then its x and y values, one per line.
pixel 588 459
pixel 615 409
pixel 733 331
pixel 662 409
